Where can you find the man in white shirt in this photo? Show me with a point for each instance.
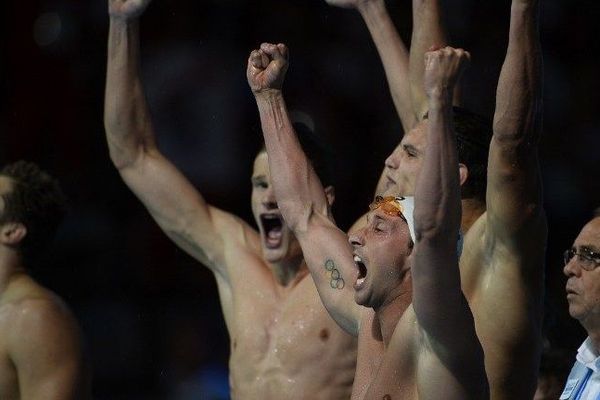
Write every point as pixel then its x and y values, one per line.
pixel 583 294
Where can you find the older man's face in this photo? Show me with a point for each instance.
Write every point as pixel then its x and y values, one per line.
pixel 583 284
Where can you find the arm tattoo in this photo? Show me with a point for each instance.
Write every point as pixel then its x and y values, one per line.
pixel 336 281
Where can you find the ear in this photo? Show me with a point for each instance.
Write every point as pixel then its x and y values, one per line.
pixel 463 173
pixel 330 193
pixel 12 233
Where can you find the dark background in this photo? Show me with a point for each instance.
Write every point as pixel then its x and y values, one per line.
pixel 150 314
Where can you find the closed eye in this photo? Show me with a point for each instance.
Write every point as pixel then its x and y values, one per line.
pixel 411 151
pixel 258 183
pixel 379 227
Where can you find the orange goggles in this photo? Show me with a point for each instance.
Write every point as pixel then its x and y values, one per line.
pixel 390 205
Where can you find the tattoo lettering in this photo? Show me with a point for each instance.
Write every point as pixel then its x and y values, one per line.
pixel 337 282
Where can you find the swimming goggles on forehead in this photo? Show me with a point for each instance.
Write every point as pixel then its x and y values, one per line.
pixel 390 205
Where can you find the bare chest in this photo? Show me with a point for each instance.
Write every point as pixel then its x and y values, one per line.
pixel 385 373
pixel 288 346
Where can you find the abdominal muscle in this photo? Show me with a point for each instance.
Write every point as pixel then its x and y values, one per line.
pixel 289 348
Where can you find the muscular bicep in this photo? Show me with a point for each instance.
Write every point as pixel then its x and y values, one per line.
pixel 47 353
pixel 180 210
pixel 330 260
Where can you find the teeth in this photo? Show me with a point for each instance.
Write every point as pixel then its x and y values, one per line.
pixel 357 259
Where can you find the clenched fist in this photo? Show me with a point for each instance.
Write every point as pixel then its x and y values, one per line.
pixel 267 67
pixel 443 69
pixel 127 9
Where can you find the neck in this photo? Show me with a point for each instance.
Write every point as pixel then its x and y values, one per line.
pixel 10 267
pixel 289 272
pixel 472 209
pixel 593 330
pixel 388 315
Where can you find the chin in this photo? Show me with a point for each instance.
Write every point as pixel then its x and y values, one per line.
pixel 274 255
pixel 361 298
pixel 575 313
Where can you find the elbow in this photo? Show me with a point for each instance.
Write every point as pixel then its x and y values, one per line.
pixel 125 155
pixel 426 226
pixel 120 159
pixel 126 146
pixel 296 214
pixel 436 227
pixel 518 128
pixel 434 234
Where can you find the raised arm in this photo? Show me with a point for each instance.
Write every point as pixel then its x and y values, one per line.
pixel 514 198
pixel 392 51
pixel 173 202
pixel 428 31
pixel 444 317
pixel 299 192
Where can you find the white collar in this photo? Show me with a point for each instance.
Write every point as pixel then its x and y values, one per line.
pixel 588 356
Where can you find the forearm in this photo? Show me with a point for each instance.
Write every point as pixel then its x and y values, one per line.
pixel 394 56
pixel 518 99
pixel 329 258
pixel 437 214
pixel 298 190
pixel 514 195
pixel 437 193
pixel 126 116
pixel 428 31
pixel 303 204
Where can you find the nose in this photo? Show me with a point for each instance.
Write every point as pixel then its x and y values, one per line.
pixel 393 161
pixel 356 239
pixel 269 201
pixel 572 268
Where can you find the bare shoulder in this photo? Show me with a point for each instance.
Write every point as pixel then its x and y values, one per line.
pixel 43 342
pixel 237 230
pixel 35 315
pixel 240 239
pixel 485 252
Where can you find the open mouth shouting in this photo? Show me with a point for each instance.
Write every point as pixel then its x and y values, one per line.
pixel 362 272
pixel 272 225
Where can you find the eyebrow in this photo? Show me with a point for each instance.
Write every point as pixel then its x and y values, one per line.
pixel 378 218
pixel 411 147
pixel 258 178
pixel 374 215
